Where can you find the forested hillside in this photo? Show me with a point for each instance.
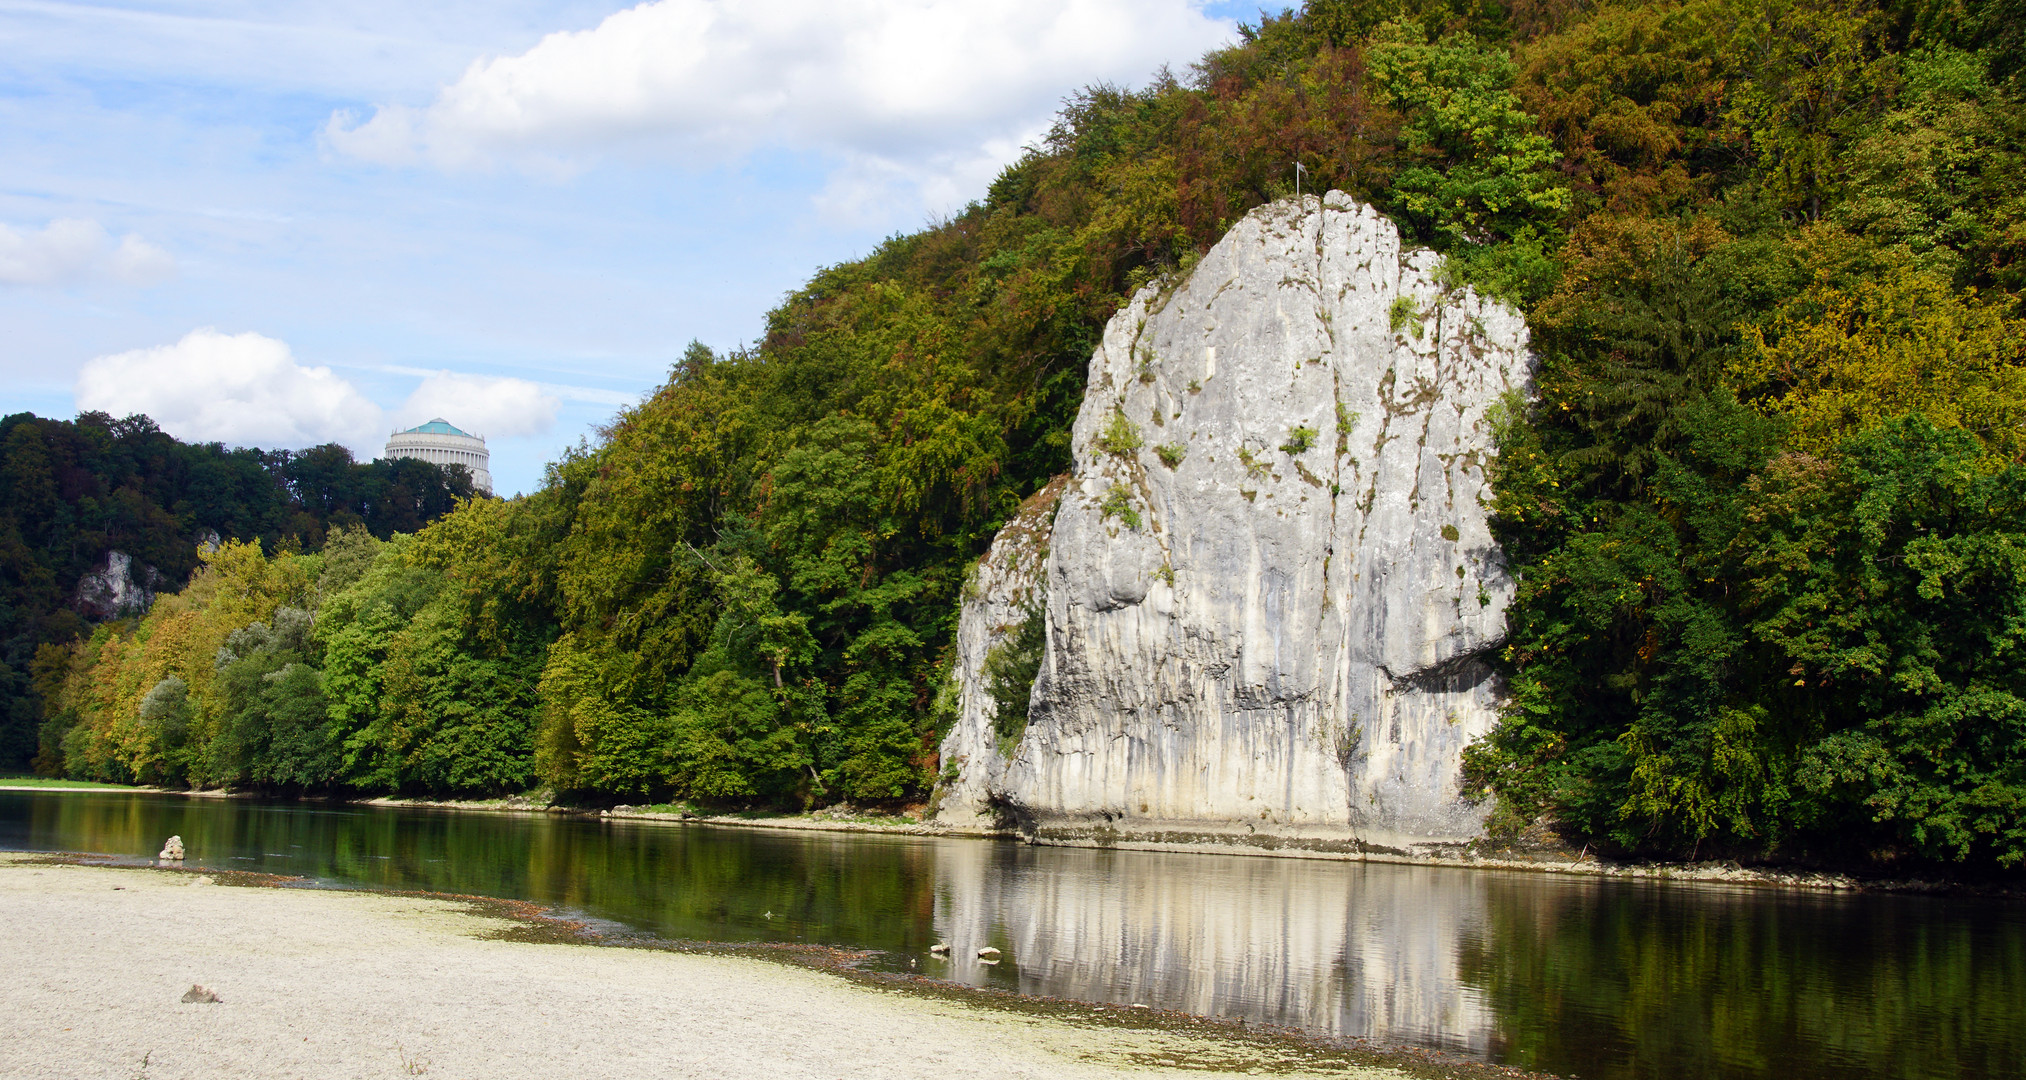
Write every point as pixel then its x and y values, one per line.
pixel 1768 507
pixel 72 491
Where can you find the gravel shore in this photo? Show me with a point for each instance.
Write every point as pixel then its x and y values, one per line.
pixel 317 983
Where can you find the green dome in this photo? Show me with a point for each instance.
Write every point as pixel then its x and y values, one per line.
pixel 438 426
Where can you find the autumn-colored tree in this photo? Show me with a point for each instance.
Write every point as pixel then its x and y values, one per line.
pixel 1838 359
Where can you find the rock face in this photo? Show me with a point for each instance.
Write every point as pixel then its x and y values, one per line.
pixel 1269 585
pixel 1006 587
pixel 116 587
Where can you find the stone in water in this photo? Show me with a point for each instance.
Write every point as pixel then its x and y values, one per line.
pixel 172 849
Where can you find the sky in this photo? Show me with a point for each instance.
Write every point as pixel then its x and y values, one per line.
pixel 284 224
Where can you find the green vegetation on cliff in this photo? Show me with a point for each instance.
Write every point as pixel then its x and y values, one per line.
pixel 1766 506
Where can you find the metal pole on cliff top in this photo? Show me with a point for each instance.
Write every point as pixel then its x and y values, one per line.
pixel 1299 170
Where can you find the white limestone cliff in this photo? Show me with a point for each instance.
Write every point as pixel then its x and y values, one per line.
pixel 1267 623
pixel 116 587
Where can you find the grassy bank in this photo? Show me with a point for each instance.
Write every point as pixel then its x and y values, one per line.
pixel 25 781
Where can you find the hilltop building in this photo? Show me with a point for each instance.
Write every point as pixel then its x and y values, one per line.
pixel 438 442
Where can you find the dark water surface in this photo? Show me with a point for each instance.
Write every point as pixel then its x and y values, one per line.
pixel 1598 979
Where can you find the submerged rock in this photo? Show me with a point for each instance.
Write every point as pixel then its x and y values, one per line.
pixel 1269 586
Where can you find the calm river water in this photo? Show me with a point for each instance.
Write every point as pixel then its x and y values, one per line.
pixel 1598 979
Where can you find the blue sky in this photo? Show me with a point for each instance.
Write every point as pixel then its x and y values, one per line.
pixel 281 224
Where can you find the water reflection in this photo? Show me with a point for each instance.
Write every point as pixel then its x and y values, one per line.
pixel 1342 948
pixel 1573 976
pixel 1653 980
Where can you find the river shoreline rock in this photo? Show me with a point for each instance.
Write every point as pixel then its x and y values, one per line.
pixel 1269 584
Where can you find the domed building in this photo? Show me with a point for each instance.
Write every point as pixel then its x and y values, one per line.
pixel 437 441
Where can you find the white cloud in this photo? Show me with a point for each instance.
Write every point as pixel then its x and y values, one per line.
pixel 495 407
pixel 70 251
pixel 242 389
pixel 934 89
pixel 138 262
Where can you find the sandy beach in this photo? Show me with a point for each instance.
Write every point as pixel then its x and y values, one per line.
pixel 318 983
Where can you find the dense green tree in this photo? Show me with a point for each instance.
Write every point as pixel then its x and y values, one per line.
pixel 1480 166
pixel 1894 589
pixel 274 726
pixel 358 627
pixel 455 717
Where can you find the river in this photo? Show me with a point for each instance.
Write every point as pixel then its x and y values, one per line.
pixel 1584 977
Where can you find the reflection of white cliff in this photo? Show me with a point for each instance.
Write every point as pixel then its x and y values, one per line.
pixel 1348 949
pixel 439 442
pixel 1269 580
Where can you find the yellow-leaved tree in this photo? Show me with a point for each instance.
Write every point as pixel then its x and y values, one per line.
pixel 137 702
pixel 1844 357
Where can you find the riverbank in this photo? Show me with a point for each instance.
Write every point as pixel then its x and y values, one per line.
pixel 318 983
pixel 1541 858
pixel 38 783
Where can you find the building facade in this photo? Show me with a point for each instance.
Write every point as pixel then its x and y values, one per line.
pixel 438 442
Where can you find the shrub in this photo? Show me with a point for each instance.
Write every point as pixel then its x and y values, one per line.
pixel 1010 669
pixel 1405 313
pixel 1121 437
pixel 1118 502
